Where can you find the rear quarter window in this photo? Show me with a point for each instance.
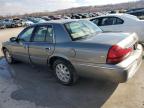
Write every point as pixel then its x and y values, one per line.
pixel 119 21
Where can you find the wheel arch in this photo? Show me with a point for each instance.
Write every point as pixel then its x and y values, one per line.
pixel 3 48
pixel 6 48
pixel 56 57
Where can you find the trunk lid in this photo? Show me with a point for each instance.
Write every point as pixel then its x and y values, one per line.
pixel 103 42
pixel 117 38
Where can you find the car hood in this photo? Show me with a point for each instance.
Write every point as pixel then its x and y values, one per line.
pixel 109 38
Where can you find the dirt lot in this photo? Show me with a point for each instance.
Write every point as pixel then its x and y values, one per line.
pixel 22 86
pixel 7 33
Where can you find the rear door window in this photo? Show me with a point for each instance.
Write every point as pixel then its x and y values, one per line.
pixel 43 34
pixel 119 21
pixel 50 34
pixel 40 33
pixel 106 21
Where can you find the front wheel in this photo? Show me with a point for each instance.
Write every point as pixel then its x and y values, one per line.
pixel 8 57
pixel 64 72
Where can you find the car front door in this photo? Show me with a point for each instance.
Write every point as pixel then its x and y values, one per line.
pixel 42 45
pixel 20 47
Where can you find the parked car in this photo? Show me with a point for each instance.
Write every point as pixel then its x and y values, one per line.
pixel 137 12
pixel 92 15
pixel 84 15
pixel 76 47
pixel 2 24
pixel 46 18
pixel 8 23
pixel 54 17
pixel 27 23
pixel 121 23
pixel 38 20
pixel 66 17
pixel 76 16
pixel 17 22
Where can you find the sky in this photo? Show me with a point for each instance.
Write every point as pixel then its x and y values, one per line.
pixel 11 7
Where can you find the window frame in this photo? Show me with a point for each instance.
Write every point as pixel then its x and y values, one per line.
pixel 101 18
pixel 32 39
pixel 99 21
pixel 26 29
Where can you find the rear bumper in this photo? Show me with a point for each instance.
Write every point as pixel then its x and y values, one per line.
pixel 119 73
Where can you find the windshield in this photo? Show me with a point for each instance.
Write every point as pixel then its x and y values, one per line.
pixel 81 29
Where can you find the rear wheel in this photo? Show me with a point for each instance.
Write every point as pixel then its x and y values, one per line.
pixel 64 72
pixel 8 56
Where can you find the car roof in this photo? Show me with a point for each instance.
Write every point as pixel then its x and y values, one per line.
pixel 117 15
pixel 63 21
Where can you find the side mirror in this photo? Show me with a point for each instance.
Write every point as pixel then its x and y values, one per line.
pixel 13 39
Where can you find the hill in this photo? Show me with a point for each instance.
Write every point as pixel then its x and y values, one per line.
pixel 110 7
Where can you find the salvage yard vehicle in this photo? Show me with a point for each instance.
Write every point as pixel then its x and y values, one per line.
pixel 8 23
pixel 26 22
pixel 75 48
pixel 37 20
pixel 121 23
pixel 2 24
pixel 17 22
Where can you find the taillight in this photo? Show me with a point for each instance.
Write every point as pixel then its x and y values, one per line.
pixel 116 54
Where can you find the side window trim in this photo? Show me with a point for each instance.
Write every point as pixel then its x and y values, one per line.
pixel 53 35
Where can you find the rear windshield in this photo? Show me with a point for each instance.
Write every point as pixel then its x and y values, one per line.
pixel 81 29
pixel 132 17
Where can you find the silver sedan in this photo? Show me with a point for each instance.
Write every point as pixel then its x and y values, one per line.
pixel 75 48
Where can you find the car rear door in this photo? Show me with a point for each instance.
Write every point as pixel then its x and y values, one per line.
pixel 20 47
pixel 42 45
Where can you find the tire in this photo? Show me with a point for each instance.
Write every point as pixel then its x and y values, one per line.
pixel 65 72
pixel 8 57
